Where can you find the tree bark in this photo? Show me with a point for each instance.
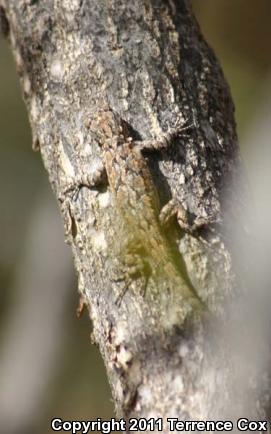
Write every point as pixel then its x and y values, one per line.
pixel 148 61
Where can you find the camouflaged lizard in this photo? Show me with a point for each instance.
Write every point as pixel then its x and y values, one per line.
pixel 137 201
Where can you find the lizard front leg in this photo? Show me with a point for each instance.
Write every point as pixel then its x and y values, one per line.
pixel 174 207
pixel 164 140
pixel 70 194
pixel 92 179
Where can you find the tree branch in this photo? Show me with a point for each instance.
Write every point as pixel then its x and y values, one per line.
pixel 148 62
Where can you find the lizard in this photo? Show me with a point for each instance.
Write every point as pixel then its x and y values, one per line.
pixel 137 200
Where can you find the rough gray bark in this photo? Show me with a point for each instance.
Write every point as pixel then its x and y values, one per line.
pixel 147 60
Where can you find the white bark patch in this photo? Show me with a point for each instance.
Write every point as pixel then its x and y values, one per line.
pixel 123 358
pixel 26 84
pixel 87 150
pixel 34 108
pixel 182 178
pixel 71 5
pixel 57 70
pixel 18 60
pixel 183 350
pixel 98 240
pixel 146 394
pixel 178 384
pixel 65 162
pixel 104 199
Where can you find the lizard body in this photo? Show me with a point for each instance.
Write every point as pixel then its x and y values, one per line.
pixel 136 199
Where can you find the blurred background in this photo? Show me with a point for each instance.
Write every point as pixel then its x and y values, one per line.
pixel 48 366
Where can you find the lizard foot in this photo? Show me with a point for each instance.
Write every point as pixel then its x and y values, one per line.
pixel 133 267
pixel 175 208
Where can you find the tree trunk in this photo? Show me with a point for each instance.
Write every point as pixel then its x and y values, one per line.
pixel 149 63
